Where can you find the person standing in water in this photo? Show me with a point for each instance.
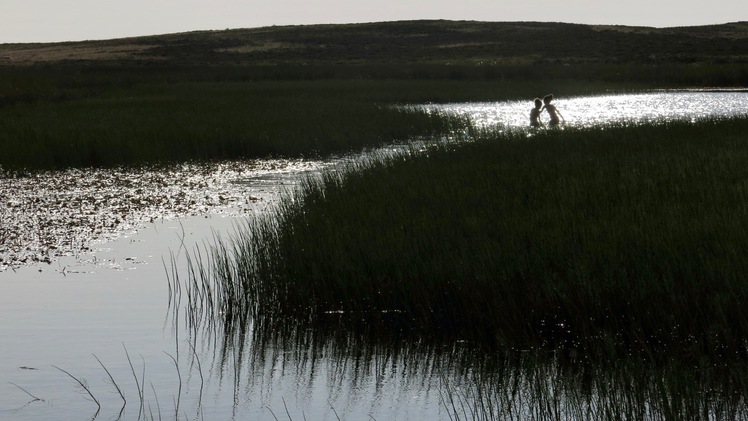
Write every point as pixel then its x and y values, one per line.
pixel 535 114
pixel 556 117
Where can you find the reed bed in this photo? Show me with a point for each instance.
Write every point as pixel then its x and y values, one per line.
pixel 557 274
pixel 627 240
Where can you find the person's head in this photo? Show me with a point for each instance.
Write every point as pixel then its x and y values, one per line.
pixel 548 98
pixel 538 103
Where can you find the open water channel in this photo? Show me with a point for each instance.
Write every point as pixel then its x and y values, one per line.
pixel 84 257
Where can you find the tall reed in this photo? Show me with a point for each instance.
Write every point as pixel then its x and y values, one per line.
pixel 622 240
pixel 559 274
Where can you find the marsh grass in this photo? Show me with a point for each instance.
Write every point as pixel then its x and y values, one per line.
pixel 204 122
pixel 590 273
pixel 623 239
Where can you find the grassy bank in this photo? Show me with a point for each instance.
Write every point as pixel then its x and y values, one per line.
pixel 204 121
pixel 623 240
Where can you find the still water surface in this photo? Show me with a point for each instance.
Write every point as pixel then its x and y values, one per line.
pixel 82 276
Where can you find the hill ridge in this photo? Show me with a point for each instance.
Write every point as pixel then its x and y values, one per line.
pixel 423 41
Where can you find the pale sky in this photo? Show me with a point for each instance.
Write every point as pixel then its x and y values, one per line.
pixel 77 20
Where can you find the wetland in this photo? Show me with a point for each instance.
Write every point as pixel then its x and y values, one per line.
pixel 166 215
pixel 191 242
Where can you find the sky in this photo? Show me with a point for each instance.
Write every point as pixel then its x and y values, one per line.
pixel 78 20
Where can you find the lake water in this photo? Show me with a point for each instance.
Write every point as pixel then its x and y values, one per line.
pixel 83 275
pixel 590 111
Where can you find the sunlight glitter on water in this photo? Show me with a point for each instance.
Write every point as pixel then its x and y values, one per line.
pixel 46 215
pixel 600 110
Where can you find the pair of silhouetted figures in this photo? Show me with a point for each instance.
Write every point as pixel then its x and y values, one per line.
pixel 545 104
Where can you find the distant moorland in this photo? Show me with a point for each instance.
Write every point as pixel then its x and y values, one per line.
pixel 408 42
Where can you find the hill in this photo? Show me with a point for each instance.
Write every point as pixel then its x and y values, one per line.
pixel 406 42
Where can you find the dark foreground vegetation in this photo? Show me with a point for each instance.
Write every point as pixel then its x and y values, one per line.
pixel 591 272
pixel 627 240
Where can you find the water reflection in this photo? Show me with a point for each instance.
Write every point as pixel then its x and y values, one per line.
pixel 49 214
pixel 333 372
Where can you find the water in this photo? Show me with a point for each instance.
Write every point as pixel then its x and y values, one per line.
pixel 599 110
pixel 83 272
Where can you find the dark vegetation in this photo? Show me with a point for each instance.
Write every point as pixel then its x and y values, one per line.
pixel 619 248
pixel 205 121
pixel 629 238
pixel 311 89
pixel 595 273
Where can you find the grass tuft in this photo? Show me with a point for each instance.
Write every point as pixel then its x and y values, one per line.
pixel 623 240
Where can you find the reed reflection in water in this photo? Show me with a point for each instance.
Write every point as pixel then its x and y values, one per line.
pixel 329 369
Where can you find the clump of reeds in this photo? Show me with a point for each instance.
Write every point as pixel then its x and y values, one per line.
pixel 627 240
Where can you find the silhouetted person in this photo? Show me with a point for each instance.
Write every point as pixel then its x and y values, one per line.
pixel 555 115
pixel 535 114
